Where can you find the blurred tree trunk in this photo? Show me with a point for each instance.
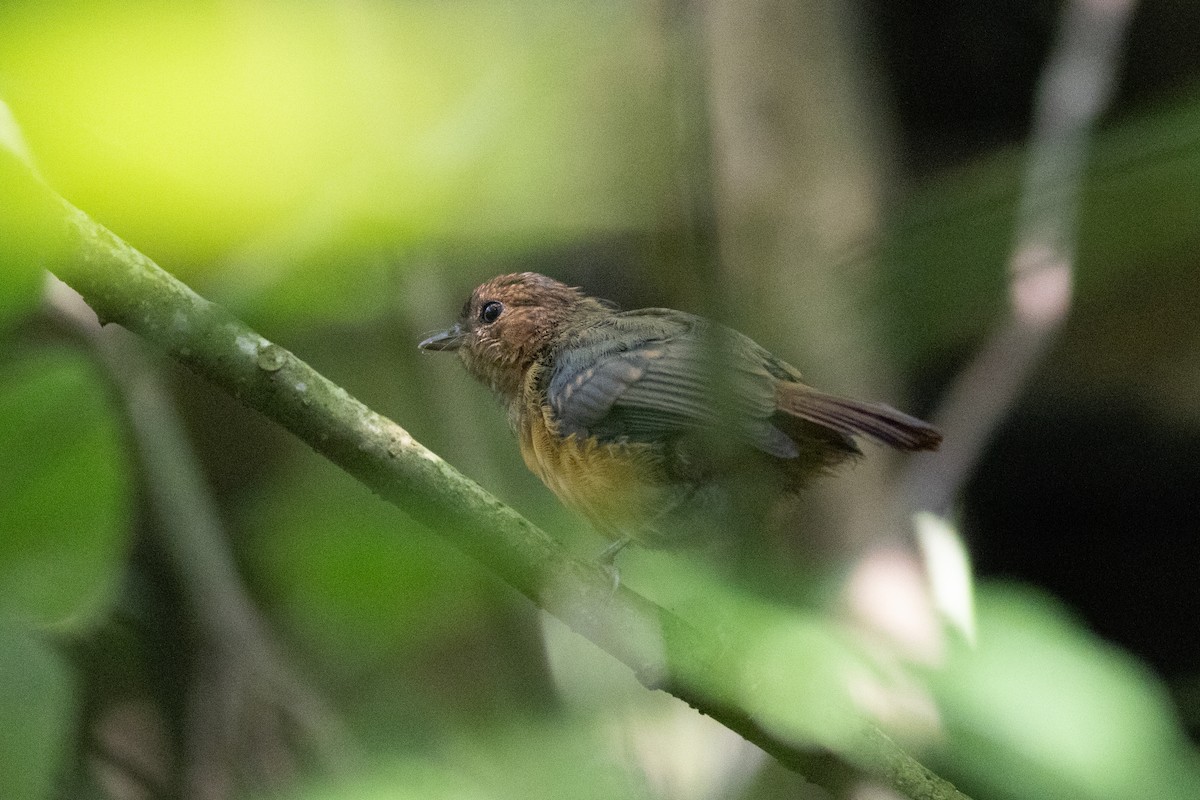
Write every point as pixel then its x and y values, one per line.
pixel 798 178
pixel 799 173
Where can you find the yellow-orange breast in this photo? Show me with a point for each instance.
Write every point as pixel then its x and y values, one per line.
pixel 619 487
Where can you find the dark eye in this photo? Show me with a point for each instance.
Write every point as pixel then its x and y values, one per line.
pixel 491 311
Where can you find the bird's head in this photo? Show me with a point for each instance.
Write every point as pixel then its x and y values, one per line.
pixel 506 325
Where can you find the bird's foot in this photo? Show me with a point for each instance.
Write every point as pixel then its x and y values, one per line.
pixel 608 560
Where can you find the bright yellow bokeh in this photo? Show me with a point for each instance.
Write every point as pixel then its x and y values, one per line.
pixel 268 130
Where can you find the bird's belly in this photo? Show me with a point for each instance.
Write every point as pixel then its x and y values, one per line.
pixel 619 487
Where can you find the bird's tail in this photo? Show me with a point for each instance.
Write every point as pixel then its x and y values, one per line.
pixel 854 418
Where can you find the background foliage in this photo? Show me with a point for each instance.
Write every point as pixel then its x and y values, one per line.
pixel 341 174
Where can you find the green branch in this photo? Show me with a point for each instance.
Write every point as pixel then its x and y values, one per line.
pixel 666 652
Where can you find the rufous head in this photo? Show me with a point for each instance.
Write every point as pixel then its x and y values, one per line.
pixel 506 324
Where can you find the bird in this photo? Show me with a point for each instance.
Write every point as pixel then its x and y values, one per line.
pixel 656 425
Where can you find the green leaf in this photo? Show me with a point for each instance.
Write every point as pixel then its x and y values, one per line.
pixel 354 578
pixel 1043 709
pixel 545 759
pixel 305 167
pixel 35 714
pixel 63 502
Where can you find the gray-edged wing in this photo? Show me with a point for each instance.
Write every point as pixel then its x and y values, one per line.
pixel 649 374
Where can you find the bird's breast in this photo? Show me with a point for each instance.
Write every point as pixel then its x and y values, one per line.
pixel 619 487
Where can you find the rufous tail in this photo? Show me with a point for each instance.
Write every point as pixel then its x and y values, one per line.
pixel 856 418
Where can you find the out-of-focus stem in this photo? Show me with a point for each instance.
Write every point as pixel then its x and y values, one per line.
pixel 1073 93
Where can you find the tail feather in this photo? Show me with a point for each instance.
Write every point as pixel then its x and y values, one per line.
pixel 853 417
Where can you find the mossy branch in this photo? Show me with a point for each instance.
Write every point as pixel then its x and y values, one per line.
pixel 665 651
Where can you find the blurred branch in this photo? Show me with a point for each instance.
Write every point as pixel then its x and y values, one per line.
pixel 703 667
pixel 1074 91
pixel 243 671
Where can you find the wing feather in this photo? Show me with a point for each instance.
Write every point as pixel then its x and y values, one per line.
pixel 650 373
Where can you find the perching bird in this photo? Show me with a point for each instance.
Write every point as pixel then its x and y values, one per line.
pixel 655 423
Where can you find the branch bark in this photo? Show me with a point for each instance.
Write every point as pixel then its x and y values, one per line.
pixel 701 666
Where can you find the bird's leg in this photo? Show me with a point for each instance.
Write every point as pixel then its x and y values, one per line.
pixel 608 560
pixel 608 555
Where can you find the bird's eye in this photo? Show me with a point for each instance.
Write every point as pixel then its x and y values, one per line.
pixel 491 311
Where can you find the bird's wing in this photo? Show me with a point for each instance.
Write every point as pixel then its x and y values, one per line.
pixel 648 374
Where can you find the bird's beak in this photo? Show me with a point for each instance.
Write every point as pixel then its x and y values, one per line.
pixel 449 339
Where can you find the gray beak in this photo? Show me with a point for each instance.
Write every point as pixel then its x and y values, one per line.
pixel 449 339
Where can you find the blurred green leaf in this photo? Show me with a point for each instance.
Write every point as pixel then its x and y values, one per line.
pixel 35 715
pixel 1043 709
pixel 355 579
pixel 301 155
pixel 796 670
pixel 63 503
pixel 535 760
pixel 798 681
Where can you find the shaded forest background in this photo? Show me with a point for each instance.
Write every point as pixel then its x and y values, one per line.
pixel 840 180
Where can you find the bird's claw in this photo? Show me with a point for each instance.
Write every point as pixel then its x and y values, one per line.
pixel 608 557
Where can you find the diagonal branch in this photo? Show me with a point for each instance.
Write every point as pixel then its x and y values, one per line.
pixel 703 667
